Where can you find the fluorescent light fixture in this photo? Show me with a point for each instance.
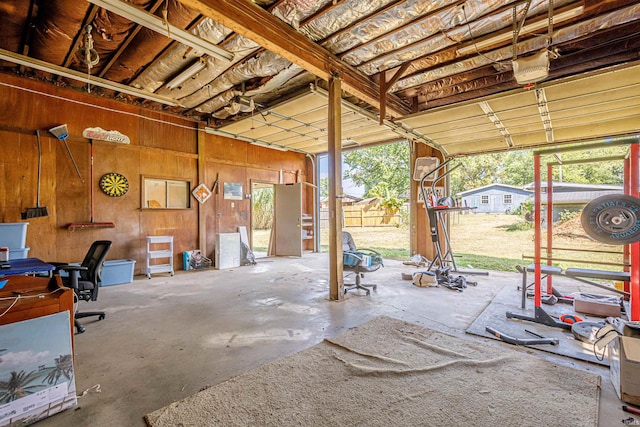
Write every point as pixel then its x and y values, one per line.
pixel 528 28
pixel 158 25
pixel 72 74
pixel 194 69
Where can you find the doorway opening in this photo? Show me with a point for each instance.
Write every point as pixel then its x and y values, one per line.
pixel 262 212
pixel 375 198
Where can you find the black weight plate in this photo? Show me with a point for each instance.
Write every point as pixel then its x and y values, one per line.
pixel 612 219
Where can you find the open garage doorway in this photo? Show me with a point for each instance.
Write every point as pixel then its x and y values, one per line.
pixel 262 213
pixel 375 198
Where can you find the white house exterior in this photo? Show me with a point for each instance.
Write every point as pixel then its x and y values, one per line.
pixel 494 198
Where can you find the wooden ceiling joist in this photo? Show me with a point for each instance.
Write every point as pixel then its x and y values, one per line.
pixel 253 22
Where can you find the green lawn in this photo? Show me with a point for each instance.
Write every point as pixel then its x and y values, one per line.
pixel 482 241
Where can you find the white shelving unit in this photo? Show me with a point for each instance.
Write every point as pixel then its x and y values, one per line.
pixel 307 227
pixel 153 253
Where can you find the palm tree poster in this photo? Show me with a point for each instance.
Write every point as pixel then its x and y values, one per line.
pixel 36 369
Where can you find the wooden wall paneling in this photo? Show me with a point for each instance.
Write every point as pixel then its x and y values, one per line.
pixel 211 208
pixel 266 157
pixel 70 188
pixel 123 211
pixel 161 135
pixel 182 224
pixel 4 177
pixel 226 149
pixel 179 223
pixel 55 105
pixel 264 175
pixel 233 213
pixel 157 149
pixel 73 205
pixel 41 231
pixel 14 165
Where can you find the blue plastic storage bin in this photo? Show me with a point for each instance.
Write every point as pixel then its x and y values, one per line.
pixel 117 272
pixel 18 253
pixel 13 234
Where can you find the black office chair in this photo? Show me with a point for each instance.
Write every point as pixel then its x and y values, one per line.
pixel 85 278
pixel 359 261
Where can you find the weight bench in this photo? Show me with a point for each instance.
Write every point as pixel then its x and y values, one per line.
pixel 546 270
pixel 580 274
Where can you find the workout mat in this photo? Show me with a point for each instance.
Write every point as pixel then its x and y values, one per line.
pixel 509 299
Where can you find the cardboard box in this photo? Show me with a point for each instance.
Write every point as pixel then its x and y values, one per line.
pixel 597 305
pixel 624 364
pixel 40 349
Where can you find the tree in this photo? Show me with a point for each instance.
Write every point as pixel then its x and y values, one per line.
pixel 476 171
pixel 388 163
pixel 324 187
pixel 516 168
pixel 608 172
pixel 262 208
pixel 381 191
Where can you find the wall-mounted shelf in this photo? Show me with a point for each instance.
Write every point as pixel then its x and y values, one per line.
pixel 166 242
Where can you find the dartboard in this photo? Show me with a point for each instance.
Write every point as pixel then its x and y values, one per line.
pixel 114 185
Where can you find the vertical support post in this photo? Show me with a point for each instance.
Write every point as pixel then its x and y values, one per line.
pixel 626 257
pixel 635 247
pixel 549 225
pixel 383 98
pixel 537 231
pixel 202 220
pixel 336 280
pixel 413 211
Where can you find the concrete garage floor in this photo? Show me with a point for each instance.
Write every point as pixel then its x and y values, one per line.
pixel 166 338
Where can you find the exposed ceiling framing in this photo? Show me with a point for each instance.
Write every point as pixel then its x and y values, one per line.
pixel 435 71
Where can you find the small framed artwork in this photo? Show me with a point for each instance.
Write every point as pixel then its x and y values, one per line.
pixel 232 191
pixel 201 193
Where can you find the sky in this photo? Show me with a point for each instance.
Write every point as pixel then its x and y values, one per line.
pixel 49 337
pixel 348 187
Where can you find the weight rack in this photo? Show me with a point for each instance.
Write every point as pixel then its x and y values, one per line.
pixel 631 181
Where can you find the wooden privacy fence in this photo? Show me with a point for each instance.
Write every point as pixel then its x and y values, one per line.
pixel 364 216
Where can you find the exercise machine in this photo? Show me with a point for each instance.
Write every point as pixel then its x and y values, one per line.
pixel 436 206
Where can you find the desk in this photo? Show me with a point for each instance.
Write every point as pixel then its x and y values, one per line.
pixel 26 265
pixel 34 297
